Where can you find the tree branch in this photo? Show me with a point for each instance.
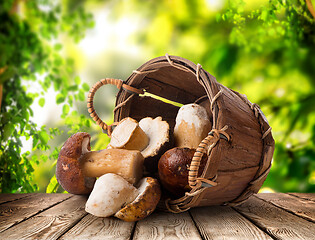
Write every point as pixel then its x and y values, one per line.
pixel 2 70
pixel 310 7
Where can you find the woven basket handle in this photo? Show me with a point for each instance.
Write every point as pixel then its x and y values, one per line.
pixel 119 84
pixel 206 145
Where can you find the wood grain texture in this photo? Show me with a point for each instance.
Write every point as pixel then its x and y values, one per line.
pixel 62 216
pixel 9 197
pixel 170 77
pixel 275 221
pixel 91 227
pixel 174 84
pixel 151 107
pixel 49 224
pixel 155 86
pixel 301 207
pixel 166 226
pixel 218 222
pixel 230 186
pixel 246 146
pixel 14 212
pixel 307 196
pixel 174 78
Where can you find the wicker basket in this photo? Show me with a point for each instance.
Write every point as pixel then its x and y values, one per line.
pixel 240 145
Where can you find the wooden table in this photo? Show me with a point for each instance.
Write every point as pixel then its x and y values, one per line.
pixel 62 216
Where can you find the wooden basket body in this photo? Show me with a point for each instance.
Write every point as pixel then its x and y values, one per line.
pixel 241 164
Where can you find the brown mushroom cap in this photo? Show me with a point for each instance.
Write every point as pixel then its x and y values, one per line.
pixel 68 171
pixel 174 168
pixel 145 203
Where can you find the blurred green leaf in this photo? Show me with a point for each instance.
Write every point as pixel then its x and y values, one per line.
pixel 41 102
pixel 77 80
pixel 86 87
pixel 53 185
pixel 81 95
pixel 60 98
pixel 7 131
pixel 65 109
pixel 58 47
pixel 44 137
pixel 8 73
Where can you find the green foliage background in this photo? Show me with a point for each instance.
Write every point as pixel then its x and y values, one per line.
pixel 264 49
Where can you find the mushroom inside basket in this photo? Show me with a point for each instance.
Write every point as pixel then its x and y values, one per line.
pixel 205 143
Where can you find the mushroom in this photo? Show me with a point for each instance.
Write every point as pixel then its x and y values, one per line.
pixel 109 194
pixel 128 135
pixel 68 171
pixel 156 133
pixel 77 166
pixel 113 195
pixel 192 126
pixel 126 163
pixel 174 168
pixel 145 203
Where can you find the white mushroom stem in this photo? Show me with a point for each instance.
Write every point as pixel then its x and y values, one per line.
pixel 126 163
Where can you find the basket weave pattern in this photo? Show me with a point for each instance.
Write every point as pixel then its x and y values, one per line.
pixel 239 146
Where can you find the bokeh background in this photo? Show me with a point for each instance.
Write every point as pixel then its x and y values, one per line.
pixel 51 52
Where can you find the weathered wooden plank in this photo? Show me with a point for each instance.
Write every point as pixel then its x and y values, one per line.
pixel 9 197
pixel 51 223
pixel 14 212
pixel 298 206
pixel 307 196
pixel 228 189
pixel 275 221
pixel 161 225
pixel 91 227
pixel 218 222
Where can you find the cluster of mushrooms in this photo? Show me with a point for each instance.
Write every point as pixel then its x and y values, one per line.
pixel 114 177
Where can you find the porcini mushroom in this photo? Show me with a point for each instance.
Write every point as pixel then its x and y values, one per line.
pixel 109 194
pixel 174 168
pixel 113 195
pixel 126 163
pixel 77 166
pixel 158 132
pixel 146 136
pixel 145 203
pixel 128 135
pixel 68 171
pixel 192 126
pixel 157 135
